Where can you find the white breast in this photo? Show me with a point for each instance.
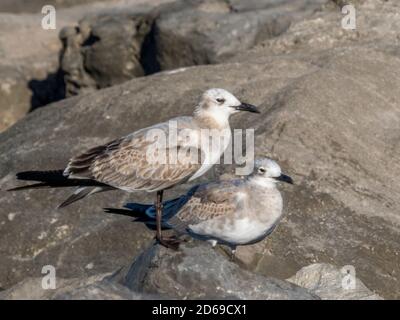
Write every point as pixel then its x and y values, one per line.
pixel 243 231
pixel 213 144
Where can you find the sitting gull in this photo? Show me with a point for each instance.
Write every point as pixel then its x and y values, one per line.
pixel 124 164
pixel 230 212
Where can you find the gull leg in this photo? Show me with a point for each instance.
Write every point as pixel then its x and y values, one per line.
pixel 172 242
pixel 233 252
pixel 159 215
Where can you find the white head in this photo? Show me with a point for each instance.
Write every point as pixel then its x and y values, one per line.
pixel 219 104
pixel 267 173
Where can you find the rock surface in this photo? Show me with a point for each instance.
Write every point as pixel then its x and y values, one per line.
pixel 29 55
pixel 328 282
pixel 329 115
pixel 103 50
pixel 196 271
pixel 28 66
pixel 212 31
pixel 111 48
pixel 91 288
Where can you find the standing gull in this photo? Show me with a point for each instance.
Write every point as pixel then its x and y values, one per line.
pixel 124 163
pixel 231 212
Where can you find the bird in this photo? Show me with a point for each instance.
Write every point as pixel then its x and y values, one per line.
pixel 151 159
pixel 240 211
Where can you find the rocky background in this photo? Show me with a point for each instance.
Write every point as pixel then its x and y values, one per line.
pixel 330 116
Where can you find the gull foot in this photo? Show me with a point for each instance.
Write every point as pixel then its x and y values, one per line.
pixel 170 242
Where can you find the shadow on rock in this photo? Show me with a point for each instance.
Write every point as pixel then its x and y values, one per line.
pixel 48 90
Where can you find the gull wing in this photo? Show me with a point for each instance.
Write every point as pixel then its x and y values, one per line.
pixel 126 163
pixel 209 201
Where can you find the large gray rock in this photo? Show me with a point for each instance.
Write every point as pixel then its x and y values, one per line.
pixel 211 31
pixel 111 48
pixel 35 6
pixel 197 271
pixel 103 51
pixel 91 288
pixel 29 55
pixel 329 116
pixel 28 66
pixel 331 283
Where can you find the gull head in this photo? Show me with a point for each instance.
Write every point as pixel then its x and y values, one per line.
pixel 220 104
pixel 267 172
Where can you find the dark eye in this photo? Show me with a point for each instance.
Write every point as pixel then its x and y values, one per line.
pixel 221 100
pixel 261 170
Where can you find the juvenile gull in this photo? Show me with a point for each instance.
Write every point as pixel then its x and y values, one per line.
pixel 231 212
pixel 124 164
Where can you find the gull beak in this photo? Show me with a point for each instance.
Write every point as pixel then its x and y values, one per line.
pixel 247 107
pixel 285 178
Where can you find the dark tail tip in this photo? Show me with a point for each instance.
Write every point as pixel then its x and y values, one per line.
pixel 129 213
pixel 79 194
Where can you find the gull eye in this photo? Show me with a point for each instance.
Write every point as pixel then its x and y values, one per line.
pixel 220 100
pixel 261 170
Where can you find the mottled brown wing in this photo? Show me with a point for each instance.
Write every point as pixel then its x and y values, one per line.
pixel 212 200
pixel 125 163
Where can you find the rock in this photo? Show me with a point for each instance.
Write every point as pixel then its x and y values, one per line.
pixel 92 288
pixel 28 67
pixel 197 271
pixel 211 31
pixel 29 55
pixel 111 48
pixel 35 6
pixel 103 51
pixel 326 281
pixel 329 116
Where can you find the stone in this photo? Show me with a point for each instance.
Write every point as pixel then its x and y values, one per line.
pixel 329 117
pixel 92 288
pixel 29 55
pixel 197 271
pixel 103 51
pixel 208 32
pixel 108 49
pixel 328 282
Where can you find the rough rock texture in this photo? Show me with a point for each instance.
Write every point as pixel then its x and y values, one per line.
pixel 329 116
pixel 197 271
pixel 103 51
pixel 91 288
pixel 34 6
pixel 29 66
pixel 109 49
pixel 327 282
pixel 211 31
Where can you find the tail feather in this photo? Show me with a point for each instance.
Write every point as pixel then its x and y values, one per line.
pixel 81 193
pixel 139 216
pixel 138 208
pixel 146 213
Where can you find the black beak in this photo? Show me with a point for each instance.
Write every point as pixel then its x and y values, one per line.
pixel 285 178
pixel 247 107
